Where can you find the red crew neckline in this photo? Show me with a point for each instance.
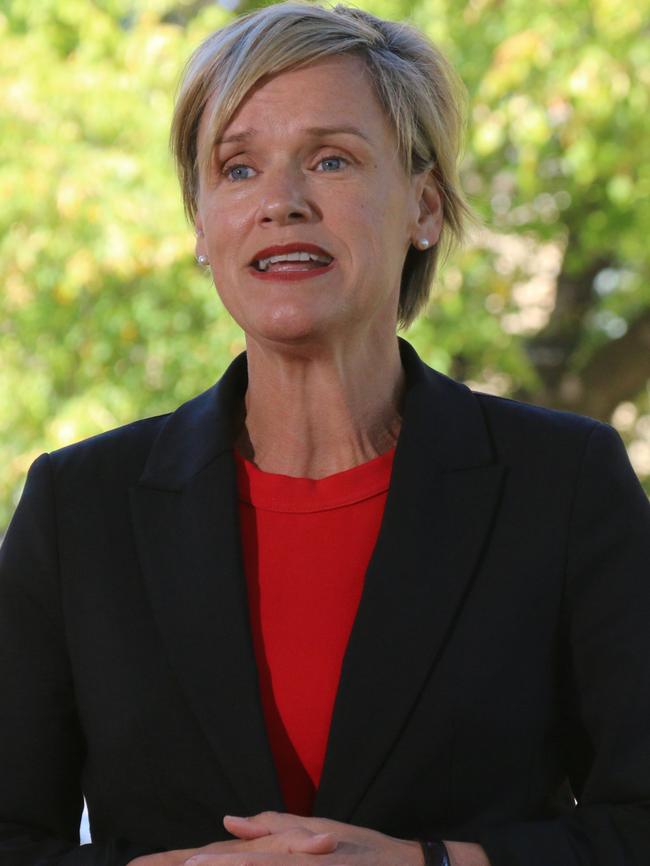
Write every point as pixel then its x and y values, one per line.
pixel 285 493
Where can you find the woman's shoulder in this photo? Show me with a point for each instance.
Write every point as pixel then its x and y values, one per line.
pixel 128 442
pixel 113 459
pixel 538 434
pixel 510 429
pixel 515 430
pixel 505 413
pixel 130 445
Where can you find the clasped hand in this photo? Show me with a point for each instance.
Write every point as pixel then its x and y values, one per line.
pixel 279 839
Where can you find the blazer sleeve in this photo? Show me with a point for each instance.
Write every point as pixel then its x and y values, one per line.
pixel 607 677
pixel 41 742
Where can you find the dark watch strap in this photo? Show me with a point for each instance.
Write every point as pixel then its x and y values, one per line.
pixel 435 852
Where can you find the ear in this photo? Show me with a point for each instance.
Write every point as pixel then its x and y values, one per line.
pixel 428 223
pixel 200 237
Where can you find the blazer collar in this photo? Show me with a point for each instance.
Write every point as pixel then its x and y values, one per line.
pixel 444 489
pixel 197 432
pixel 441 416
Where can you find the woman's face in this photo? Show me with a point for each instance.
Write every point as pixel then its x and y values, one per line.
pixel 309 162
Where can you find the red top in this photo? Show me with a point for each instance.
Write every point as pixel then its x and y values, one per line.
pixel 306 545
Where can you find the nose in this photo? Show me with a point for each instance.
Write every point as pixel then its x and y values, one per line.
pixel 284 198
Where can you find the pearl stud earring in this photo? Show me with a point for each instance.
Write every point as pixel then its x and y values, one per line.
pixel 202 260
pixel 423 243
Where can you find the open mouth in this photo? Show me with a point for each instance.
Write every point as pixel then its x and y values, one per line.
pixel 300 260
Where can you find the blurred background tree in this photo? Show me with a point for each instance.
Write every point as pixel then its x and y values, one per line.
pixel 106 317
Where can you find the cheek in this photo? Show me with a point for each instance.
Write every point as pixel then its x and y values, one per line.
pixel 358 223
pixel 225 224
pixel 383 212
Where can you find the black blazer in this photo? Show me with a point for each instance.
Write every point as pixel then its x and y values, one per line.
pixel 499 664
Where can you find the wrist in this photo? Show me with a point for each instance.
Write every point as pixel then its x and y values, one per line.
pixel 466 854
pixel 413 856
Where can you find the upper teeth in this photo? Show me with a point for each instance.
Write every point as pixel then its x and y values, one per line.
pixel 299 256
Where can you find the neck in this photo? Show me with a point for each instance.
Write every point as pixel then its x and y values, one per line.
pixel 313 412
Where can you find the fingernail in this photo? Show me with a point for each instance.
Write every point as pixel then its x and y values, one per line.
pixel 236 817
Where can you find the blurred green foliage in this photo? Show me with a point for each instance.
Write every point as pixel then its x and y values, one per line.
pixel 105 316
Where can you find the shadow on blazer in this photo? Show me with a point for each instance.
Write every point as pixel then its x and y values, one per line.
pixel 498 667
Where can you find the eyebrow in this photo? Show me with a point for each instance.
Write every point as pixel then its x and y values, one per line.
pixel 314 131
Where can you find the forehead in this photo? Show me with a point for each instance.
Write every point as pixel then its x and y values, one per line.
pixel 327 92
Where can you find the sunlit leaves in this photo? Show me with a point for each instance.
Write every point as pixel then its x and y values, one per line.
pixel 105 316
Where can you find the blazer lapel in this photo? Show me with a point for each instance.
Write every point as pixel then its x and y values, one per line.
pixel 440 505
pixel 443 493
pixel 185 515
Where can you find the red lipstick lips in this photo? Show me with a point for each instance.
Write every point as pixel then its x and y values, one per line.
pixel 283 249
pixel 291 273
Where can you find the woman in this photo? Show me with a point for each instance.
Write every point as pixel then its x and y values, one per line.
pixel 390 620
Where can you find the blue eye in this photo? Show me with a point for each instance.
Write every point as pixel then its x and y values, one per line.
pixel 332 163
pixel 239 172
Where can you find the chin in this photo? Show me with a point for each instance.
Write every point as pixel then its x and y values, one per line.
pixel 292 336
pixel 290 325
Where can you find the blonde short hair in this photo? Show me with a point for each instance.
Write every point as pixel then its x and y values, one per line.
pixel 419 91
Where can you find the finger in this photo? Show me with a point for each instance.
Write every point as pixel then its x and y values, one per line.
pixel 248 858
pixel 298 841
pixel 245 828
pixel 302 841
pixel 226 859
pixel 242 858
pixel 295 841
pixel 276 822
pixel 253 826
pixel 200 860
